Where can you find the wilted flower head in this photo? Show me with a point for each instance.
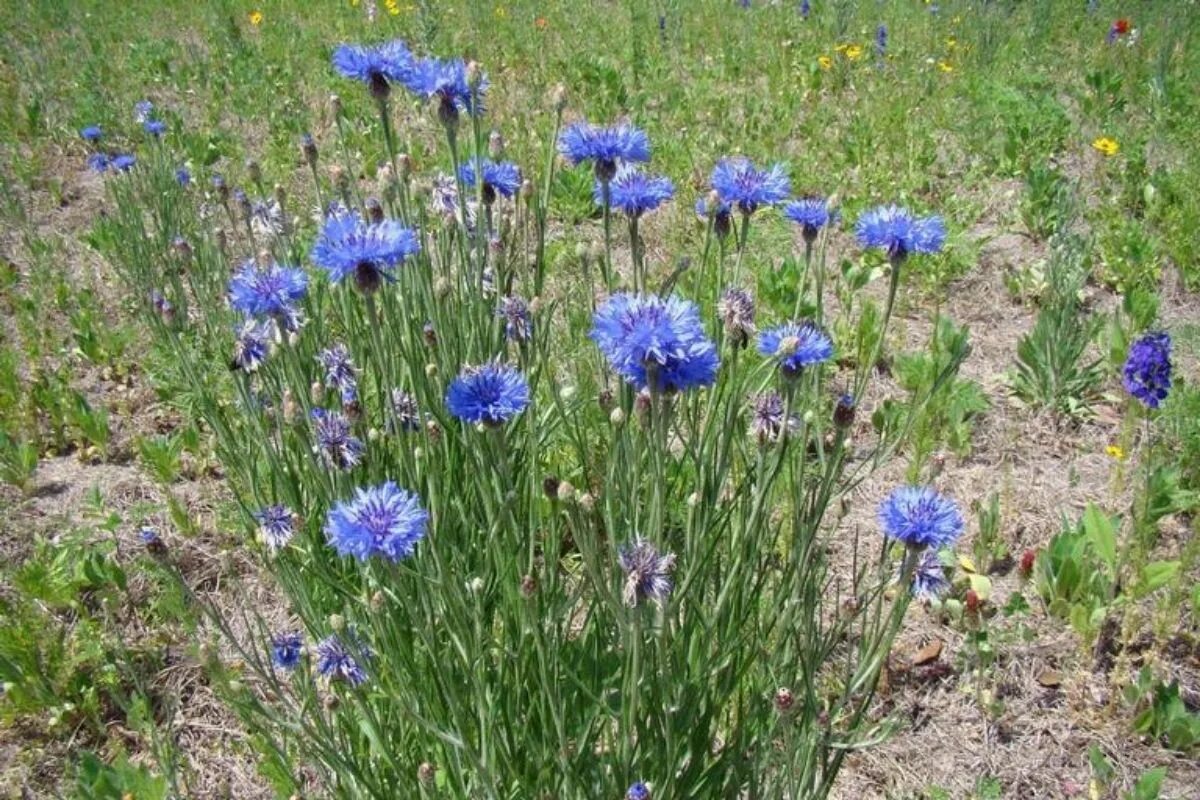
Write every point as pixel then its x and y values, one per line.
pixel 275 526
pixel 896 231
pixel 335 445
pixel 811 214
pixel 378 66
pixel 405 414
pixel 337 663
pixel 152 541
pixel 736 310
pixel 492 394
pixel 767 423
pixel 339 371
pixel 446 81
pixel 99 162
pixel 252 345
pixel 142 111
pixel 920 517
pixel 633 191
pixel 91 133
pixel 605 147
pixel 368 252
pixel 518 325
pixel 499 177
pixel 383 520
pixel 795 346
pixel 266 217
pixel 929 578
pixel 123 162
pixel 719 211
pixel 286 649
pixel 270 291
pixel 647 574
pixel 655 342
pixel 737 182
pixel 443 196
pixel 1147 373
pixel 183 177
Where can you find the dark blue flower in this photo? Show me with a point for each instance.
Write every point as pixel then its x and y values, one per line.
pixel 270 291
pixel 154 127
pixel 348 246
pixel 100 162
pixel 811 214
pixel 647 573
pixel 737 182
pixel 633 191
pixel 795 346
pixel 337 663
pixel 183 177
pixel 339 371
pixel 286 649
pixel 896 231
pixel 378 67
pixel 491 394
pixel 920 517
pixel 91 133
pixel 518 325
pixel 929 577
pixel 606 147
pixel 1147 373
pixel 881 38
pixel 252 345
pixel 654 342
pixel 805 9
pixel 638 791
pixel 275 526
pixel 499 177
pixel 445 80
pixel 383 520
pixel 123 162
pixel 336 446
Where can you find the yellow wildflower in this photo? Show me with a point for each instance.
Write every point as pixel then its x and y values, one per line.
pixel 951 43
pixel 393 7
pixel 1107 146
pixel 256 18
pixel 1115 451
pixel 501 12
pixel 945 66
pixel 825 61
pixel 854 52
pixel 841 48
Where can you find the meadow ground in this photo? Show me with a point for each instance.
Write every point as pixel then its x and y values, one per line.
pixel 1056 139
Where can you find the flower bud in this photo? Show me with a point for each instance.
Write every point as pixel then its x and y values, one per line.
pixel 374 210
pixel 431 370
pixel 784 700
pixel 377 601
pixel 335 105
pixel 308 149
pixel 526 189
pixel 558 98
pixel 404 164
pixel 843 412
pixel 1028 559
pixel 495 145
pixel 426 773
pixel 528 586
pixel 617 417
pixel 565 492
pixel 316 392
pixel 337 623
pixel 550 486
pixel 587 501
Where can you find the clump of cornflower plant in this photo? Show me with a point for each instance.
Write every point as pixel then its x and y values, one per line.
pixel 270 291
pixel 286 649
pixel 736 310
pixel 339 371
pixel 252 345
pixel 378 67
pixel 634 192
pixel 336 663
pixel 655 343
pixel 647 573
pixel 920 518
pixel 795 346
pixel 336 446
pixel 605 147
pixel 276 526
pixel 899 233
pixel 1147 371
pixel 518 325
pixel 489 394
pixel 811 214
pixel 382 521
pixel 737 182
pixel 929 577
pixel 769 420
pixel 500 178
pixel 349 246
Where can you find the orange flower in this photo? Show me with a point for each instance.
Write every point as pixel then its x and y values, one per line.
pixel 540 23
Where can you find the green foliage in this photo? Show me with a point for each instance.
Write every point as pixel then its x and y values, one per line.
pixel 988 546
pixel 1048 205
pixel 1077 570
pixel 1163 714
pixel 117 779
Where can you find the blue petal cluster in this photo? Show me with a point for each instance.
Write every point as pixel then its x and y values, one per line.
pixel 252 345
pixel 920 517
pixel 647 573
pixel 336 446
pixel 286 649
pixel 339 371
pixel 899 233
pixel 99 162
pixel 336 662
pixel 270 291
pixel 383 520
pixel 518 325
pixel 154 127
pixel 350 246
pixel 638 791
pixel 811 214
pixel 929 578
pixel 123 162
pixel 378 66
pixel 651 340
pixel 491 394
pixel 91 133
pixel 275 526
pixel 446 81
pixel 605 147
pixel 1147 372
pixel 501 177
pixel 795 346
pixel 633 191
pixel 737 182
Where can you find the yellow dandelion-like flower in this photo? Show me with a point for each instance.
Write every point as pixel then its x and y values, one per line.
pixel 951 43
pixel 945 66
pixel 393 6
pixel 825 61
pixel 1115 451
pixel 1107 146
pixel 256 18
pixel 501 12
pixel 841 48
pixel 854 52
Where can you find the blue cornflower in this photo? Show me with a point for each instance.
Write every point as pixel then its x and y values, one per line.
pixel 154 127
pixel 491 394
pixel 123 162
pixel 655 342
pixel 446 81
pixel 142 111
pixel 898 232
pixel 647 573
pixel 518 325
pixel 929 577
pixel 738 183
pixel 606 148
pixel 499 177
pixel 633 191
pixel 1148 369
pixel 91 133
pixel 251 345
pixel 270 291
pixel 183 177
pixel 638 791
pixel 369 252
pixel 335 445
pixel 382 520
pixel 920 517
pixel 881 38
pixel 339 371
pixel 275 526
pixel 719 211
pixel 378 67
pixel 805 9
pixel 337 663
pixel 795 346
pixel 811 214
pixel 99 162
pixel 286 649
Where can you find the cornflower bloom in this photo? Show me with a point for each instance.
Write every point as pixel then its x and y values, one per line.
pixel 489 394
pixel 655 343
pixel 1147 371
pixel 920 518
pixel 647 573
pixel 383 520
